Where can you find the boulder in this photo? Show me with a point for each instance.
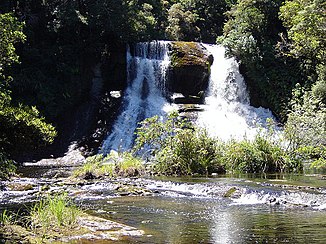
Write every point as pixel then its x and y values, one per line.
pixel 190 68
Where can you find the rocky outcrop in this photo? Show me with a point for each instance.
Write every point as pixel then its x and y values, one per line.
pixel 190 68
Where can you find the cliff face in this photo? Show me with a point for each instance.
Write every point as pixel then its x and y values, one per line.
pixel 190 68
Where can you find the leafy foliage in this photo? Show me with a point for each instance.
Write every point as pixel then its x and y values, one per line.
pixel 189 152
pixel 252 35
pixel 10 34
pixel 177 147
pixel 306 125
pixel 7 167
pixel 261 155
pixel 181 23
pixel 21 127
pixel 305 20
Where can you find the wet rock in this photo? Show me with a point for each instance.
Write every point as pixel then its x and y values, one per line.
pixel 14 234
pixel 89 176
pixel 73 157
pixel 190 68
pixel 230 192
pixel 16 186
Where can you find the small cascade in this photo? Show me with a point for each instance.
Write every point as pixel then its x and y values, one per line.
pixel 227 112
pixel 294 198
pixel 144 97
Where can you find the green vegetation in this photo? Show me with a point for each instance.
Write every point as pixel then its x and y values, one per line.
pixel 6 218
pixel 112 165
pixel 287 36
pixel 253 34
pixel 280 45
pixel 179 148
pixel 306 124
pixel 49 219
pixel 7 167
pixel 186 53
pixel 21 128
pixel 54 212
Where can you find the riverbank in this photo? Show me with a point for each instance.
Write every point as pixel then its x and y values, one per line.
pixel 127 204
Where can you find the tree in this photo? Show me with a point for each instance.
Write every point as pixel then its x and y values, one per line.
pixel 306 127
pixel 305 21
pixel 10 34
pixel 182 24
pixel 251 34
pixel 21 127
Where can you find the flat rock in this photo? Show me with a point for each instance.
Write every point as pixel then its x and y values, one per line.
pixel 103 229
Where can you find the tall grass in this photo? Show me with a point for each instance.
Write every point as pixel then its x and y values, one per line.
pixel 55 212
pixel 96 166
pixel 6 218
pixel 114 164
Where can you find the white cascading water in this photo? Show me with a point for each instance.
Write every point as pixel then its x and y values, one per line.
pixel 227 113
pixel 143 98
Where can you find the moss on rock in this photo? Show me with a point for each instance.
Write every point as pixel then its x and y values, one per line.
pixel 190 68
pixel 189 53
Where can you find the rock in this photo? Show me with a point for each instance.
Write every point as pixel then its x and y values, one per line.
pixel 230 192
pixel 73 157
pixel 186 108
pixel 20 186
pixel 190 68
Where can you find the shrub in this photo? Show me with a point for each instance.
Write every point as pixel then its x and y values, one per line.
pixel 7 167
pixel 316 156
pixel 128 165
pixel 176 147
pixel 258 156
pixel 189 152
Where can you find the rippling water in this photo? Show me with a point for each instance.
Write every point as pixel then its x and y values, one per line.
pixel 195 211
pixel 274 209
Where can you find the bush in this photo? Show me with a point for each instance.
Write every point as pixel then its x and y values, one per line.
pixel 178 148
pixel 258 156
pixel 316 156
pixel 7 167
pixel 23 129
pixel 187 153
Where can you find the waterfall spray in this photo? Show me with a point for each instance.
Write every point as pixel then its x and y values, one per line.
pixel 227 112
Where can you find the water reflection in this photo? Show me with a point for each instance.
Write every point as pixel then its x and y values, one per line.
pixel 224 228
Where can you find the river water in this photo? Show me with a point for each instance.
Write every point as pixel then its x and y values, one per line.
pixel 195 210
pixel 219 209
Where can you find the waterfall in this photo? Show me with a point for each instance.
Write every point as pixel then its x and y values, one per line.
pixel 227 113
pixel 144 97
